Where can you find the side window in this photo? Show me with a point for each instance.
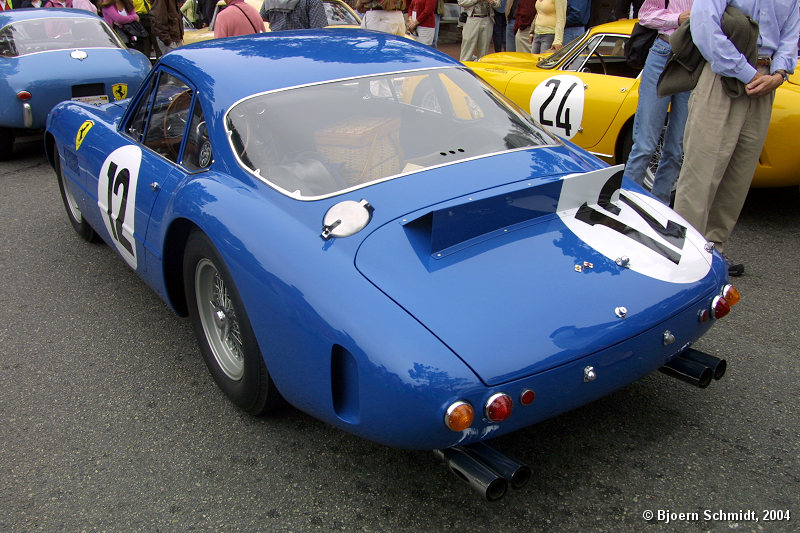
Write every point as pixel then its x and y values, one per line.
pixel 169 115
pixel 197 155
pixel 577 62
pixel 136 126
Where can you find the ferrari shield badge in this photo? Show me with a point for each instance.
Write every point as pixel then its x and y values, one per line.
pixel 82 132
pixel 120 91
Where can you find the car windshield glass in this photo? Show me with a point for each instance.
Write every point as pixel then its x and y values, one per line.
pixel 323 139
pixel 338 15
pixel 554 59
pixel 44 35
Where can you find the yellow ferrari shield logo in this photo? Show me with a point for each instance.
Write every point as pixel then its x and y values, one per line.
pixel 120 91
pixel 82 132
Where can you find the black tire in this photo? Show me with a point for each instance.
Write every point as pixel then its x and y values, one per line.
pixel 6 144
pixel 223 331
pixel 79 224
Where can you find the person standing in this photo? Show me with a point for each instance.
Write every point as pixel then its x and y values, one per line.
pixel 499 31
pixel 477 32
pixel 238 18
pixel 578 14
pixel 511 13
pixel 383 15
pixel 166 24
pixel 422 20
pixel 294 14
pixel 724 133
pixel 548 26
pixel 523 25
pixel 653 112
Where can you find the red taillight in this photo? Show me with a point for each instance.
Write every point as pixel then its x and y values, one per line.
pixel 498 407
pixel 459 416
pixel 731 295
pixel 527 397
pixel 720 307
pixel 703 315
pixel 24 95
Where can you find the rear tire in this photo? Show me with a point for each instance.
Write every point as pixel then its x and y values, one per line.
pixel 223 330
pixel 79 224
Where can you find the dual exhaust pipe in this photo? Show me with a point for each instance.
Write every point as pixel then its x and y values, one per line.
pixel 488 471
pixel 695 367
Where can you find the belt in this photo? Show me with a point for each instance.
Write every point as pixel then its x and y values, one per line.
pixel 663 37
pixel 764 61
pixel 374 9
pixel 479 16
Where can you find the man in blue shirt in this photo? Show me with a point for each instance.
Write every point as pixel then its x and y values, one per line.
pixel 725 134
pixel 578 13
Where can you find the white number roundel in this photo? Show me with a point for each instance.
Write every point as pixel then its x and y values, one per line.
pixel 557 103
pixel 116 198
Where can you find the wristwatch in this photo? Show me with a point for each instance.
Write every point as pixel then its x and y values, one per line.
pixel 783 74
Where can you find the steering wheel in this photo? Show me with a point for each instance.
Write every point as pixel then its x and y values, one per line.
pixel 175 118
pixel 602 61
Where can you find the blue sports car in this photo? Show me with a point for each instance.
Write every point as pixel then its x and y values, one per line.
pixel 51 55
pixel 355 223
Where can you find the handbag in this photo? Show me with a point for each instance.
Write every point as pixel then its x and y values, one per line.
pixel 462 18
pixel 134 30
pixel 638 46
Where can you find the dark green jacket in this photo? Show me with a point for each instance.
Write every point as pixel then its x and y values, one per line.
pixel 685 62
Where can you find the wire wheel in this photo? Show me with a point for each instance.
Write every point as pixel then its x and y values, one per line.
pixel 218 317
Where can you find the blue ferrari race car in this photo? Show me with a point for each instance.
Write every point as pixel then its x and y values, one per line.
pixel 357 224
pixel 50 55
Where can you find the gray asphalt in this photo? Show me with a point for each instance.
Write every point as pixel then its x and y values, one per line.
pixel 110 421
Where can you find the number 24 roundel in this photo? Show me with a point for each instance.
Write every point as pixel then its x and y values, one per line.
pixel 557 103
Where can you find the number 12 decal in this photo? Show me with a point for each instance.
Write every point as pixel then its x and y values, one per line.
pixel 116 197
pixel 557 103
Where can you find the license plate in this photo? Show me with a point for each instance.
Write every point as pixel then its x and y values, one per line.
pixel 96 100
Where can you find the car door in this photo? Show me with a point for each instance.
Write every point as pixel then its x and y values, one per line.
pixel 132 176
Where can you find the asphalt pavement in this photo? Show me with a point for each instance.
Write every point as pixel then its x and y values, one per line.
pixel 110 421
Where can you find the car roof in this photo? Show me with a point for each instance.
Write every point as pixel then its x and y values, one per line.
pixel 233 68
pixel 14 15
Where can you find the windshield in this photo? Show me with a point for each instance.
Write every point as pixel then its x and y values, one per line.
pixel 323 139
pixel 44 35
pixel 553 60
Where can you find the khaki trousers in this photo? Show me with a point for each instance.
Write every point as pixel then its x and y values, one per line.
pixel 522 39
pixel 722 143
pixel 476 35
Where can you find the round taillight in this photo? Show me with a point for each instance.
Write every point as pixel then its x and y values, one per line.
pixel 527 397
pixel 498 407
pixel 731 295
pixel 720 307
pixel 459 416
pixel 24 95
pixel 703 315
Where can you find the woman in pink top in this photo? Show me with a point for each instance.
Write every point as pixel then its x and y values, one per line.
pixel 118 12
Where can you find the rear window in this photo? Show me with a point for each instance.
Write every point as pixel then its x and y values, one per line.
pixel 323 139
pixel 44 35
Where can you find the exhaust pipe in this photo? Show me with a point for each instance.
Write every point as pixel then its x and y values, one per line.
pixel 717 365
pixel 517 474
pixel 483 479
pixel 689 371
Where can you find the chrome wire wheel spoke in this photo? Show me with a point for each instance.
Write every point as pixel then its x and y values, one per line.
pixel 218 317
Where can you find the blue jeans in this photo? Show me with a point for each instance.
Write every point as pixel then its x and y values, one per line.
pixel 511 45
pixel 651 114
pixel 573 32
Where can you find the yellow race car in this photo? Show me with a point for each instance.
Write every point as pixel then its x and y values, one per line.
pixel 587 93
